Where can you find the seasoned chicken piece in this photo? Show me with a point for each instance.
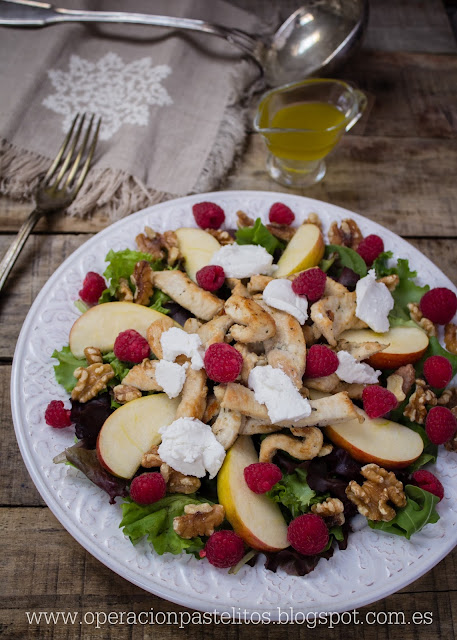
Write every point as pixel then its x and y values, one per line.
pixel 251 426
pixel 227 427
pixel 154 333
pixel 301 449
pixel 253 323
pixel 192 325
pixel 142 376
pixel 237 287
pixel 336 314
pixel 334 288
pixel 360 350
pixel 258 283
pixel 287 348
pixel 311 334
pixel 181 289
pixel 215 330
pixel 194 391
pixel 250 360
pixel 332 384
pixel 212 409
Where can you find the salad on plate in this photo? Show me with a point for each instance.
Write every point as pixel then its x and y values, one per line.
pixel 260 390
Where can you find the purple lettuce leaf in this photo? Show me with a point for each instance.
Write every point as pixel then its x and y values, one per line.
pixel 293 562
pixel 89 418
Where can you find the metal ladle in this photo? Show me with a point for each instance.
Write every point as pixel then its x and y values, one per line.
pixel 315 38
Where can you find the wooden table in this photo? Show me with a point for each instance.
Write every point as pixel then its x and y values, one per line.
pixel 398 167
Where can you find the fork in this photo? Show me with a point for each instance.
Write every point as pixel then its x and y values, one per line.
pixel 60 185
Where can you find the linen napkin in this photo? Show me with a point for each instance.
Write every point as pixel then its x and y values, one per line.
pixel 171 102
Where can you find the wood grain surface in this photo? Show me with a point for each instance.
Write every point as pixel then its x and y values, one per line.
pixel 398 167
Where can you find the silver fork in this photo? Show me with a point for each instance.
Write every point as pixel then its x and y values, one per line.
pixel 60 185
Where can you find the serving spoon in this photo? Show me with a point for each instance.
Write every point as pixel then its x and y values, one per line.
pixel 315 38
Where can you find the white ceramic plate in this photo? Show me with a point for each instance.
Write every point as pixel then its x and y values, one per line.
pixel 374 565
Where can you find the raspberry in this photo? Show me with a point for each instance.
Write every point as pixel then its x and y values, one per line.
pixel 93 287
pixel 438 371
pixel 262 476
pixel 210 278
pixel 281 214
pixel 208 215
pixel 308 534
pixel 377 401
pixel 440 425
pixel 56 415
pixel 429 482
pixel 223 363
pixel 130 346
pixel 223 549
pixel 310 283
pixel 320 361
pixel 370 248
pixel 148 488
pixel 439 305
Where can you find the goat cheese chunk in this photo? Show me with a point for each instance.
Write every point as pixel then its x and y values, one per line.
pixel 273 388
pixel 350 370
pixel 171 377
pixel 243 261
pixel 279 295
pixel 189 446
pixel 374 302
pixel 176 342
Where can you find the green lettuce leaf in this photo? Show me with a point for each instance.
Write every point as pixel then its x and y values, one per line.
pixel 294 493
pixel 347 257
pixel 64 370
pixel 158 300
pixel 156 522
pixel 420 510
pixel 106 297
pixel 259 234
pixel 122 264
pixel 430 452
pixel 120 368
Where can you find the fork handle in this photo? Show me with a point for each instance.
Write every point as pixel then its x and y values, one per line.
pixel 15 248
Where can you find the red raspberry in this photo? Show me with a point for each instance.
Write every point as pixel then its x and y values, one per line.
pixel 440 425
pixel 310 283
pixel 93 287
pixel 210 278
pixel 130 346
pixel 377 401
pixel 439 305
pixel 281 214
pixel 56 415
pixel 429 482
pixel 223 363
pixel 438 371
pixel 320 361
pixel 262 476
pixel 208 215
pixel 370 248
pixel 308 534
pixel 148 488
pixel 223 549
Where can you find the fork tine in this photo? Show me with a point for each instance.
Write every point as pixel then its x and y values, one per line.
pixel 69 155
pixel 86 165
pixel 50 172
pixel 78 158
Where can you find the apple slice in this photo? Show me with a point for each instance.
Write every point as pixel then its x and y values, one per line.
pixel 304 251
pixel 100 325
pixel 387 443
pixel 406 345
pixel 131 431
pixel 197 247
pixel 254 517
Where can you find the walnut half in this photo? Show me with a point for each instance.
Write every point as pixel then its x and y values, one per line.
pixel 371 499
pixel 91 380
pixel 199 520
pixel 332 510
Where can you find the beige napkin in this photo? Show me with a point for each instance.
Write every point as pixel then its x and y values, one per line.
pixel 171 103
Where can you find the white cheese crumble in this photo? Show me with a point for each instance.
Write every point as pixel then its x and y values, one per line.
pixel 279 295
pixel 176 342
pixel 349 370
pixel 171 377
pixel 243 261
pixel 374 301
pixel 273 388
pixel 189 446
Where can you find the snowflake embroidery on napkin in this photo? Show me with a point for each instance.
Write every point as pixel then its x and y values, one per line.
pixel 119 92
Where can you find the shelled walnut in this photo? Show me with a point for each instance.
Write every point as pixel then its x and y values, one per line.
pixel 332 510
pixel 371 499
pixel 426 324
pixel 450 337
pixel 124 393
pixel 416 409
pixel 141 279
pixel 347 234
pixel 123 291
pixel 222 236
pixel 91 380
pixel 151 458
pixel 177 482
pixel 244 220
pixel 93 355
pixel 198 520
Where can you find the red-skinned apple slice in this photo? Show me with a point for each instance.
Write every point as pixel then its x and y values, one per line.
pixel 254 517
pixel 131 431
pixel 387 443
pixel 406 345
